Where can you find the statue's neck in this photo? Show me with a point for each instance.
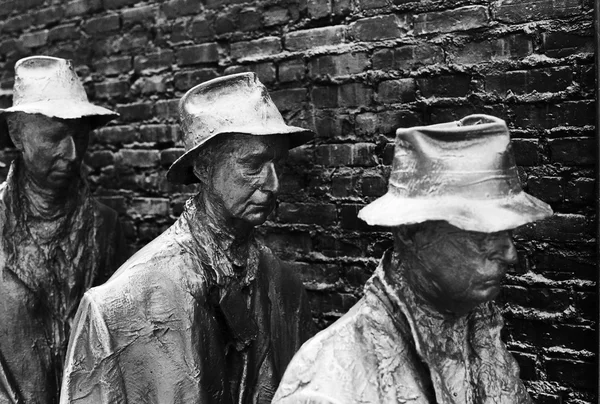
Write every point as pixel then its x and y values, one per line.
pixel 41 201
pixel 235 232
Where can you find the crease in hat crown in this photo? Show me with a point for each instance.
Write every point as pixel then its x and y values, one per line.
pixel 462 172
pixel 237 103
pixel 50 86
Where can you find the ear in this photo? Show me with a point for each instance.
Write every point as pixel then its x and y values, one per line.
pixel 14 130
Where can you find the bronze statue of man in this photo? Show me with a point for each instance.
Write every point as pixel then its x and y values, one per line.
pixel 57 241
pixel 426 330
pixel 204 313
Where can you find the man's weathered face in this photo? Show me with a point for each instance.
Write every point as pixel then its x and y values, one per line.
pixel 464 268
pixel 52 149
pixel 245 179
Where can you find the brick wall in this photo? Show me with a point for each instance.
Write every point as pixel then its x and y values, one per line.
pixel 354 70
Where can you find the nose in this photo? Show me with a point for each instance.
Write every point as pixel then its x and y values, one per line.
pixel 69 152
pixel 271 183
pixel 503 249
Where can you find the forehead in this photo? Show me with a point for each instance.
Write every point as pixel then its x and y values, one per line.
pixel 44 124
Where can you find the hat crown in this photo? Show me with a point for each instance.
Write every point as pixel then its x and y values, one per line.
pixel 471 158
pixel 46 78
pixel 237 103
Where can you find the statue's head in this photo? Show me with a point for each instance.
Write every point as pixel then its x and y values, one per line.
pixel 454 196
pixel 235 139
pixel 51 119
pixel 52 149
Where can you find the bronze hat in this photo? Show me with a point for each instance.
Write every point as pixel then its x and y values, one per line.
pixel 49 86
pixel 461 172
pixel 238 103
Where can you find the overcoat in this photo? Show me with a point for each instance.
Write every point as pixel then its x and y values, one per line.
pixel 391 347
pixel 182 322
pixel 46 265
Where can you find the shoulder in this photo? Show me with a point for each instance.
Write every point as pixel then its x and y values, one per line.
pixel 280 273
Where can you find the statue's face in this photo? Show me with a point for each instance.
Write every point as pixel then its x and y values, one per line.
pixel 52 149
pixel 245 179
pixel 463 268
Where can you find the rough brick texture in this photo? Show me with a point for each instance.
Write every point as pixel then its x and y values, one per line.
pixel 354 70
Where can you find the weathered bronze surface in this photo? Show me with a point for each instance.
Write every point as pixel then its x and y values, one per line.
pixel 426 330
pixel 57 241
pixel 204 313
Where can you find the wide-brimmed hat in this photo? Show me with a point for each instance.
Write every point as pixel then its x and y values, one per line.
pixel 460 172
pixel 238 103
pixel 49 86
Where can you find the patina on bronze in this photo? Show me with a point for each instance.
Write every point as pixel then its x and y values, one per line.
pixel 204 313
pixel 57 241
pixel 426 330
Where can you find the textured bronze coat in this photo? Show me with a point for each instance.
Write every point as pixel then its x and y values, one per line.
pixel 42 281
pixel 392 348
pixel 175 324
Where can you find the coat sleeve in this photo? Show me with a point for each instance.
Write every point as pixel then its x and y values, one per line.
pixel 91 373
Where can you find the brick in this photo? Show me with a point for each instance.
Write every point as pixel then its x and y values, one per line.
pixel 571 372
pixel 275 16
pixel 99 159
pixel 343 186
pixel 139 15
pixel 17 23
pixel 116 135
pixel 287 244
pixel 151 85
pixel 459 19
pixel 580 190
pixel 111 89
pixel 196 54
pixel 526 81
pixel 318 8
pixel 312 38
pixel 544 334
pixel 573 151
pixel 168 156
pixel 348 216
pixel 224 24
pixel 153 62
pixel 63 32
pixel 291 70
pixel 525 151
pixel 345 95
pixel 25 5
pixel 509 47
pixel 249 20
pixel 115 202
pixel 386 122
pixel 139 158
pixel 48 15
pixel 108 4
pixel 81 7
pixel 353 155
pixel 548 189
pixel 102 24
pixel 113 66
pixel 381 27
pixel 34 39
pixel 289 99
pixel 159 133
pixel 341 7
pixel 331 124
pixel 563 44
pixel 515 11
pixel 338 65
pixel 372 4
pixel 265 72
pixel 321 214
pixel 408 57
pixel 396 91
pixel 547 299
pixel 257 48
pixel 565 227
pixel 148 207
pixel 187 79
pixel 176 8
pixel 547 116
pixel 201 29
pixel 445 86
pixel 167 109
pixel 373 185
pixel 139 111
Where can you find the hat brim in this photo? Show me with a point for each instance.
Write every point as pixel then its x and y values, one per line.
pixel 181 172
pixel 66 109
pixel 486 216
